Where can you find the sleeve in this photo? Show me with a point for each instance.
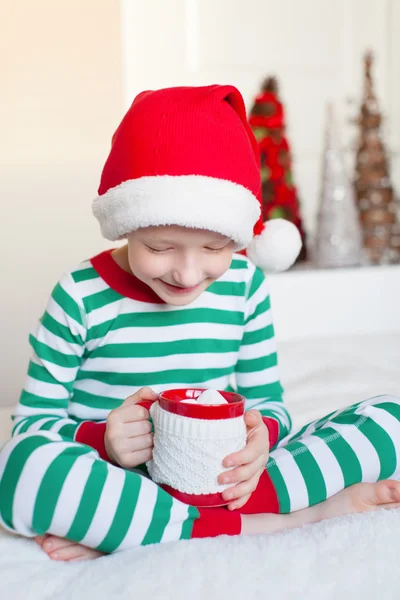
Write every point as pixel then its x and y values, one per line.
pixel 256 372
pixel 58 344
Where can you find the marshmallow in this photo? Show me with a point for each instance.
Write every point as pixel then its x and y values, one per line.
pixel 210 397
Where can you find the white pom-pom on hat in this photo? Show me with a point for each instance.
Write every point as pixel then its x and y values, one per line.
pixel 276 248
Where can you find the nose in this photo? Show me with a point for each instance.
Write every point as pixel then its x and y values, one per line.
pixel 187 272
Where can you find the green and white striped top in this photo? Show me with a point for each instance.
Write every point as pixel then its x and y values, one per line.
pixel 104 335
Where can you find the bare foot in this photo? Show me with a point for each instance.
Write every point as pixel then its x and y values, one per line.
pixel 361 497
pixel 61 549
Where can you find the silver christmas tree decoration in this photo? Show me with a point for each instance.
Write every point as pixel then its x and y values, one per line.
pixel 338 241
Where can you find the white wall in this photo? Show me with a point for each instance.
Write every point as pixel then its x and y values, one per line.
pixel 314 46
pixel 66 82
pixel 60 103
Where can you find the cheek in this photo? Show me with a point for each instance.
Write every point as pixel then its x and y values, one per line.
pixel 146 265
pixel 219 265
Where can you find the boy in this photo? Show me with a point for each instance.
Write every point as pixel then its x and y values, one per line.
pixel 175 307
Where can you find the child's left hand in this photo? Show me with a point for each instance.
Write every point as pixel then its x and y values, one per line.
pixel 249 462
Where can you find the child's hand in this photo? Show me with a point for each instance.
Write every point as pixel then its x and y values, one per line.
pixel 249 462
pixel 128 439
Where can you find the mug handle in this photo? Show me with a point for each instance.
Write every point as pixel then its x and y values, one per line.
pixel 146 403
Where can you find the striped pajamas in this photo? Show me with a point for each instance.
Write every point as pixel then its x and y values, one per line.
pixel 360 443
pixel 102 337
pixel 64 488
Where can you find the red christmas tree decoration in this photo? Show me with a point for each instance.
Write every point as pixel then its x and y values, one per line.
pixel 279 194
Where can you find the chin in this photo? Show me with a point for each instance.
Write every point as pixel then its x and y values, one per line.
pixel 178 301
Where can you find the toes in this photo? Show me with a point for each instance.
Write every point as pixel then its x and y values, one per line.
pixel 64 550
pixel 394 494
pixel 74 552
pixel 54 544
pixel 89 554
pixel 385 492
pixel 41 538
pixel 66 553
pixel 389 491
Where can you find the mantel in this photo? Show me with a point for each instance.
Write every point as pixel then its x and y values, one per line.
pixel 309 302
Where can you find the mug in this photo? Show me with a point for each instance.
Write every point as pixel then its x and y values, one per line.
pixel 191 441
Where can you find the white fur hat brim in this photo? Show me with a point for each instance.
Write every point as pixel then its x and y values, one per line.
pixel 189 200
pixel 198 202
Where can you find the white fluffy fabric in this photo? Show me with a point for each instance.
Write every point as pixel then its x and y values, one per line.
pixel 189 200
pixel 188 453
pixel 277 247
pixel 353 557
pixel 350 558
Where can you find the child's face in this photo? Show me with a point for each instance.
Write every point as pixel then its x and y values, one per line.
pixel 178 263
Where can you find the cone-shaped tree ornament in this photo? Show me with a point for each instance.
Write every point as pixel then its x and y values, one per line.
pixel 374 192
pixel 338 241
pixel 279 194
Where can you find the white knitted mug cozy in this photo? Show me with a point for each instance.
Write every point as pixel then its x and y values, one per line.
pixel 192 439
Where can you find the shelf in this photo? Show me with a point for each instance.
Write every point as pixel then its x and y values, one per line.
pixel 310 302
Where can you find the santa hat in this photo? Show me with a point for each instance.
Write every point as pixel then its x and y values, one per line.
pixel 187 156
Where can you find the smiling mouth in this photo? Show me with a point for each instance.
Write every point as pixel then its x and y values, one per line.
pixel 181 291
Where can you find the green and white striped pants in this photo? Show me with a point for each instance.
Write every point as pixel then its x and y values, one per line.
pixel 49 484
pixel 360 443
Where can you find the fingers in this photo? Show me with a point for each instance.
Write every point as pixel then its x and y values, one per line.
pixel 130 410
pixel 239 491
pixel 137 438
pixel 139 458
pixel 257 443
pixel 143 394
pixel 136 444
pixel 134 451
pixel 252 452
pixel 137 428
pixel 128 440
pixel 239 503
pixel 253 418
pixel 131 460
pixel 133 412
pixel 248 464
pixel 127 414
pixel 242 473
pixel 123 440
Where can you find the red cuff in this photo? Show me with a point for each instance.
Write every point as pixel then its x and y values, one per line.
pixel 264 499
pixel 216 521
pixel 273 429
pixel 92 434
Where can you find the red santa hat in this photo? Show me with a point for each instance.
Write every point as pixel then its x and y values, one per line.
pixel 187 156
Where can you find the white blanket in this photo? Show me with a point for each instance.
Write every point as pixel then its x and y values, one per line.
pixel 351 557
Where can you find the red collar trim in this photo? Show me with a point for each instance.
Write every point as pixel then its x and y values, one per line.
pixel 122 282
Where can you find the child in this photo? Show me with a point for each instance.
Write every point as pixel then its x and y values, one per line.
pixel 175 307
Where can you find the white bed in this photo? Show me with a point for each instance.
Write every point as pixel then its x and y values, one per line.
pixel 350 558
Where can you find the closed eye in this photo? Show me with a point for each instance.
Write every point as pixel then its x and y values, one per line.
pixel 156 250
pixel 210 249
